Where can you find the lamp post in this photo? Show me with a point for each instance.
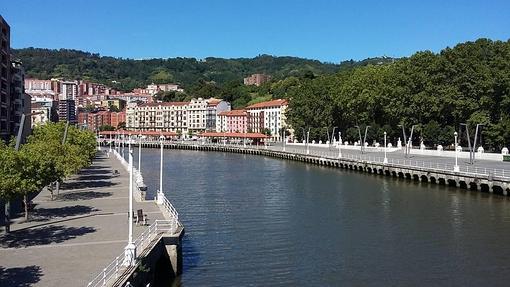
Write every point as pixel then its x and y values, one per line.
pixel 385 161
pixel 130 249
pixel 333 140
pixel 307 139
pixel 160 194
pixel 339 145
pixel 140 152
pixel 456 167
pixel 283 139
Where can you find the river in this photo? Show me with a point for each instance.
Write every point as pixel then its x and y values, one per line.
pixel 258 221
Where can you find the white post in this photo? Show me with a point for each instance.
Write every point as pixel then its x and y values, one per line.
pixel 339 151
pixel 456 167
pixel 160 194
pixel 385 161
pixel 130 249
pixel 307 139
pixel 140 153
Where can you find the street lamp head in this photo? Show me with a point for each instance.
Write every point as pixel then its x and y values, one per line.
pixel 455 133
pixel 384 133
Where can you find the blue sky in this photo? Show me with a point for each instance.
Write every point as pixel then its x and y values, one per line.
pixel 326 30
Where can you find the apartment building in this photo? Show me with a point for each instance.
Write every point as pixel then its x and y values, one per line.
pixel 187 118
pixel 169 116
pixel 5 81
pixel 214 108
pixel 67 111
pixel 20 101
pixel 234 121
pixel 268 116
pixel 68 90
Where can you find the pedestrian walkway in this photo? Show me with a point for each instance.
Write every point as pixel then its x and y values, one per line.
pixel 68 240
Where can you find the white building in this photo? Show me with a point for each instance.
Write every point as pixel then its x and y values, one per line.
pixel 268 116
pixel 68 90
pixel 170 116
pixel 187 118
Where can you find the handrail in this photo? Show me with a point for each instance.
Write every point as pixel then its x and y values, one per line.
pixel 333 154
pixel 113 270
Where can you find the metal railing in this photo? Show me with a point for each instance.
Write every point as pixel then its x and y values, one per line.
pixel 172 213
pixel 116 267
pixel 333 155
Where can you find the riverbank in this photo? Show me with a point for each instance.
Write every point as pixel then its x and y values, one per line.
pixel 72 238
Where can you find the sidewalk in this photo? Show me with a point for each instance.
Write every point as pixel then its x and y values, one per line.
pixel 71 239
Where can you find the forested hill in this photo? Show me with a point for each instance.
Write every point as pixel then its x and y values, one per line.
pixel 437 92
pixel 73 64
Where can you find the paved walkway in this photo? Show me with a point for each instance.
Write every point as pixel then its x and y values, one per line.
pixel 72 238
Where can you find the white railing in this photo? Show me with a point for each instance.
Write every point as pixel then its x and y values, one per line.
pixel 113 270
pixel 137 175
pixel 172 213
pixel 333 154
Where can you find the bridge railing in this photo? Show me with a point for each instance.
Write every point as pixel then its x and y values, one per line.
pixel 113 270
pixel 333 154
pixel 172 213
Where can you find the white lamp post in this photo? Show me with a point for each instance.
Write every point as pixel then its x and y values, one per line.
pixel 283 140
pixel 385 161
pixel 110 143
pixel 307 139
pixel 140 152
pixel 160 194
pixel 130 249
pixel 339 144
pixel 456 167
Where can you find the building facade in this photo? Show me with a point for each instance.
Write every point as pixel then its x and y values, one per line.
pixel 214 108
pixel 67 111
pixel 268 117
pixel 234 121
pixel 169 116
pixel 20 101
pixel 256 79
pixel 5 81
pixel 185 118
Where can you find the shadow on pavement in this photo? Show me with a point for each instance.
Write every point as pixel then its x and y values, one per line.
pixel 94 177
pixel 20 276
pixel 86 184
pixel 45 214
pixel 42 235
pixel 83 195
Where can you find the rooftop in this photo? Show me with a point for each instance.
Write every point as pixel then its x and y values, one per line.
pixel 268 104
pixel 233 113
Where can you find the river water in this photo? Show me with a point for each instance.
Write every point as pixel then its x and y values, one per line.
pixel 256 221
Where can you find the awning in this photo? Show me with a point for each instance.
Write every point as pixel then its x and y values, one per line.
pixel 234 135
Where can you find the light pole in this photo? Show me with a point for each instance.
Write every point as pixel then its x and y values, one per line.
pixel 340 144
pixel 456 167
pixel 359 133
pixel 283 139
pixel 130 249
pixel 385 161
pixel 140 152
pixel 307 139
pixel 160 194
pixel 332 136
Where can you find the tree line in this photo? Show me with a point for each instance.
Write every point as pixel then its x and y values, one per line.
pixel 44 160
pixel 436 92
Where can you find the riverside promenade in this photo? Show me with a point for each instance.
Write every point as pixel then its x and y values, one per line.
pixel 70 239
